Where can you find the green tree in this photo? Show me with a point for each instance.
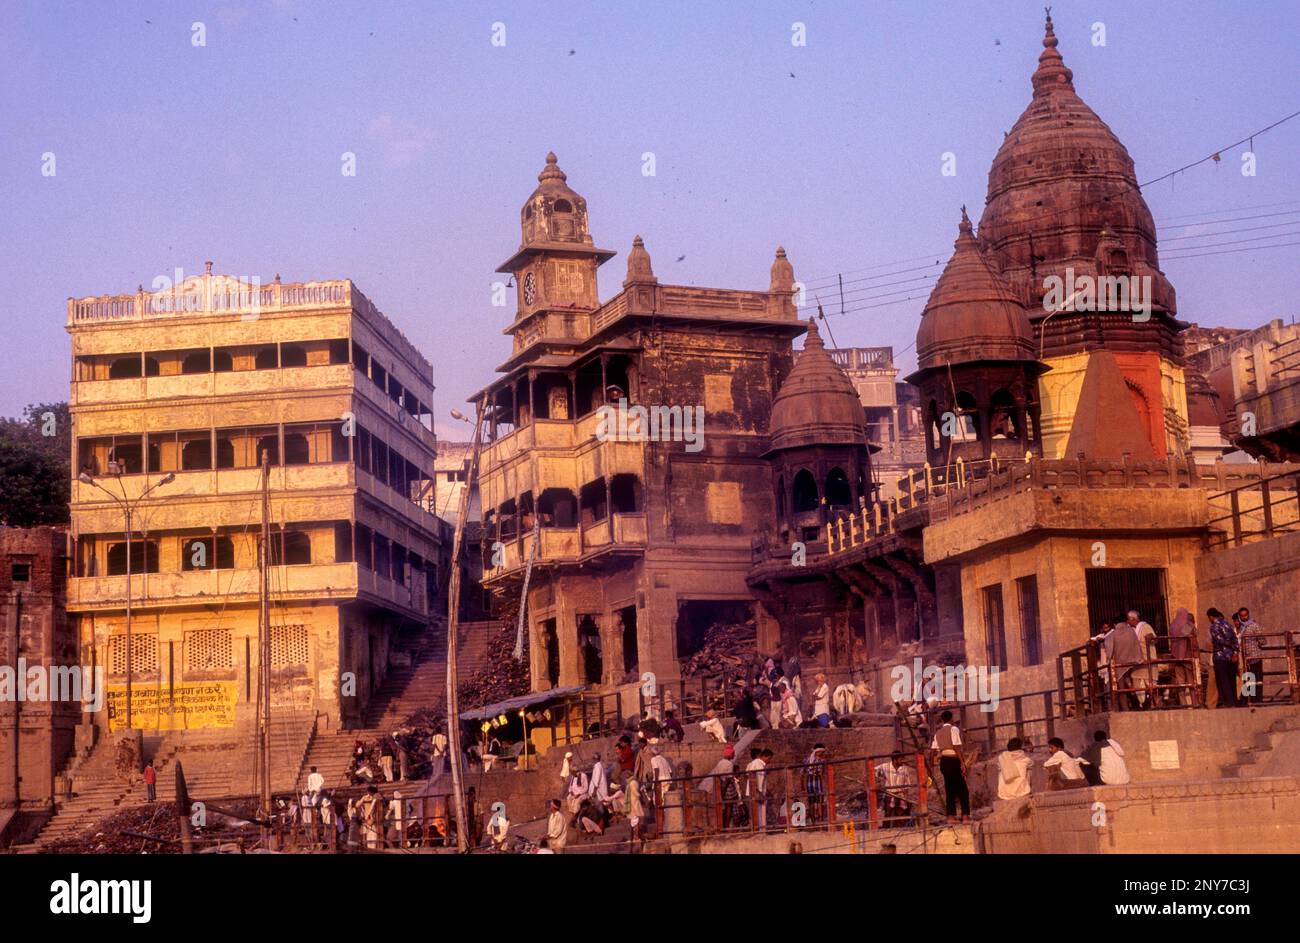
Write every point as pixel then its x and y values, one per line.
pixel 35 475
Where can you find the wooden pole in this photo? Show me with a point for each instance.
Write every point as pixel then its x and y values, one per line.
pixel 453 628
pixel 264 644
pixel 183 811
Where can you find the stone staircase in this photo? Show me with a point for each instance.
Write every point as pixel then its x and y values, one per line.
pixel 1258 758
pixel 405 690
pixel 217 764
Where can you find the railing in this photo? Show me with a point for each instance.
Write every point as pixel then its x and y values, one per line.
pixel 809 796
pixel 209 294
pixel 918 488
pixel 1271 504
pixel 1092 686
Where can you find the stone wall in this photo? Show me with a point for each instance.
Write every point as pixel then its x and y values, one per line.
pixel 1252 816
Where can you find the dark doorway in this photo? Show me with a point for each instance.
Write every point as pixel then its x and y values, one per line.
pixel 551 645
pixel 695 617
pixel 593 660
pixel 1113 592
pixel 631 658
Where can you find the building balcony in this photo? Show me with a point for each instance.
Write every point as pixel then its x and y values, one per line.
pixel 277 383
pixel 618 533
pixel 300 493
pixel 313 582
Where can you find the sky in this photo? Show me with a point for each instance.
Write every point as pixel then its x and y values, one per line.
pixel 168 153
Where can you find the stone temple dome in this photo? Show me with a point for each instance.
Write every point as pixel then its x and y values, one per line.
pixel 971 315
pixel 554 212
pixel 817 404
pixel 1060 177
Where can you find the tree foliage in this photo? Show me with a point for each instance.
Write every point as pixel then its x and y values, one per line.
pixel 35 471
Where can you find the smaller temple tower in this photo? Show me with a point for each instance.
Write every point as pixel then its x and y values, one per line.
pixel 818 442
pixel 976 364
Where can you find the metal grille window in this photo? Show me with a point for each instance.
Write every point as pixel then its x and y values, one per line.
pixel 1112 592
pixel 288 645
pixel 207 649
pixel 1031 640
pixel 144 654
pixel 995 639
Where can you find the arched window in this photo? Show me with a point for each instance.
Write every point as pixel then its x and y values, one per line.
pixel 151 368
pixel 207 553
pixel 296 550
pixel 144 557
pixel 266 359
pixel 196 362
pixel 269 444
pixel 124 368
pixel 291 355
pixel 296 449
pixel 196 455
pixel 558 508
pixel 563 206
pixel 222 362
pixel 806 497
pixel 838 492
pixel 968 424
pixel 1003 425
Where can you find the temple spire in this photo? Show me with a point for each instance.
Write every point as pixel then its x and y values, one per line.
pixel 1052 73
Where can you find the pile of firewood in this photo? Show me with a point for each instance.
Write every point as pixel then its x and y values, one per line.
pixel 128 831
pixel 501 678
pixel 728 648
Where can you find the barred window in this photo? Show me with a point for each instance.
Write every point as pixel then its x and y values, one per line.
pixel 144 654
pixel 206 649
pixel 288 645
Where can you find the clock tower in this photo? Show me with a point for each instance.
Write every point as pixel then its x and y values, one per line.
pixel 555 266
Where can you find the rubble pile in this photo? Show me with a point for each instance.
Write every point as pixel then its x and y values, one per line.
pixel 728 648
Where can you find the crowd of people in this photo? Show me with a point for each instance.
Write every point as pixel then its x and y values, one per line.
pixel 1133 674
pixel 320 820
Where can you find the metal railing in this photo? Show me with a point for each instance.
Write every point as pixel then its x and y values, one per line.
pixel 799 796
pixel 1275 511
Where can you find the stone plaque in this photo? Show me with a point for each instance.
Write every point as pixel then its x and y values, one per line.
pixel 1163 753
pixel 722 498
pixel 717 393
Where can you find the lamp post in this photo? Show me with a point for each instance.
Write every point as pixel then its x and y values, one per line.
pixel 116 469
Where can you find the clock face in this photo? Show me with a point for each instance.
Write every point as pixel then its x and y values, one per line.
pixel 530 288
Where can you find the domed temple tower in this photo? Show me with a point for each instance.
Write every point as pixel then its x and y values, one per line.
pixel 975 364
pixel 819 454
pixel 1066 226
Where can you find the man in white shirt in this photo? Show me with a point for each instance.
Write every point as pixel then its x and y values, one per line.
pixel 1013 771
pixel 1105 758
pixel 315 783
pixel 1063 770
pixel 713 727
pixel 897 783
pixel 756 786
pixel 947 743
pixel 557 828
pixel 821 701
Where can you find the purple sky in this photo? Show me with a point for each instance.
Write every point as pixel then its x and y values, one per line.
pixel 168 154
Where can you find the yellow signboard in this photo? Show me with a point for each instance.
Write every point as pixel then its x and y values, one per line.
pixel 186 706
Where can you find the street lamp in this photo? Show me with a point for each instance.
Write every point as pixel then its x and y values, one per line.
pixel 117 469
